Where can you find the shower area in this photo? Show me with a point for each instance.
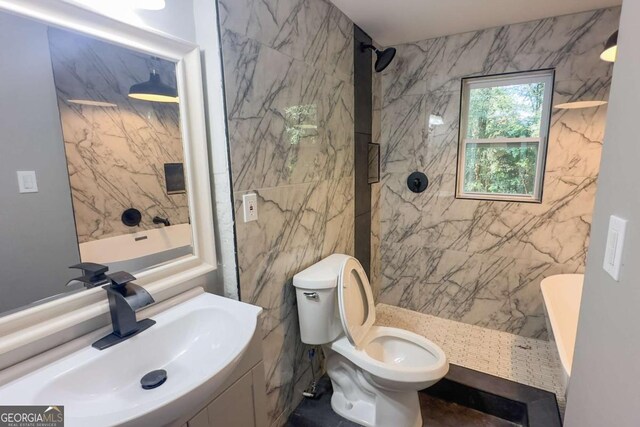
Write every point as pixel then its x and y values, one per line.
pixel 480 260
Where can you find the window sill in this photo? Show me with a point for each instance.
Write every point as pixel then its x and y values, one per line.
pixel 499 198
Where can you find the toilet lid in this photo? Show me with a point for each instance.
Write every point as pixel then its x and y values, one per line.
pixel 355 301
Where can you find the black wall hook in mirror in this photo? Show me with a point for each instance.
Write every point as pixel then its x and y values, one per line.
pixel 417 182
pixel 131 217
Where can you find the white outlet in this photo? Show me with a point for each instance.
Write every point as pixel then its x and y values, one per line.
pixel 615 243
pixel 250 207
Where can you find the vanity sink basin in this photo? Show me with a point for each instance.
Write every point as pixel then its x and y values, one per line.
pixel 198 343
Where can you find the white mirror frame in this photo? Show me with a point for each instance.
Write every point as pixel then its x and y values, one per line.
pixel 38 328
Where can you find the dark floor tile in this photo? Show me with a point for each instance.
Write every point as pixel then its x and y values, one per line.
pixel 318 412
pixel 435 413
pixel 440 413
pixel 463 398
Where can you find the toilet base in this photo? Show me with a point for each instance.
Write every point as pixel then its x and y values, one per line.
pixel 357 398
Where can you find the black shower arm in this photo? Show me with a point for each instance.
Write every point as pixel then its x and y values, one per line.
pixel 363 47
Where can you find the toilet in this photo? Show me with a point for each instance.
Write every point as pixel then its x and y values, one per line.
pixel 375 371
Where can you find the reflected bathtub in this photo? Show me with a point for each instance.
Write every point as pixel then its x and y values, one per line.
pixel 562 294
pixel 137 251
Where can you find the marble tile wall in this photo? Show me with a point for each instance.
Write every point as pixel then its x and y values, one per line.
pixel 115 156
pixel 481 262
pixel 288 69
pixel 376 264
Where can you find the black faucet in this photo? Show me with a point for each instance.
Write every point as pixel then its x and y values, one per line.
pixel 160 220
pixel 93 275
pixel 125 298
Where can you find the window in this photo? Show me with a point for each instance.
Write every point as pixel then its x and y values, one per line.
pixel 504 124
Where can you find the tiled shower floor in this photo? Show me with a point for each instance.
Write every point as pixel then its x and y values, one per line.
pixel 524 360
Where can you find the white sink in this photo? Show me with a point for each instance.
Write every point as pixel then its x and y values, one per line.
pixel 198 342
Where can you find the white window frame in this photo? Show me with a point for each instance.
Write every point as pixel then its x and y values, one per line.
pixel 539 76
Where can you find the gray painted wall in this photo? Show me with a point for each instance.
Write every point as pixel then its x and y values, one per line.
pixel 36 230
pixel 604 386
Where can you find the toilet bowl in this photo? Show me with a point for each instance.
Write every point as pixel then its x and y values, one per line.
pixel 375 371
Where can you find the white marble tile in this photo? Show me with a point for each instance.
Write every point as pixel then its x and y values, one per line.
pixel 376 261
pixel 402 134
pixel 290 103
pixel 297 226
pixel 571 44
pixel 483 260
pixel 289 94
pixel 498 292
pixel 339 231
pixel 406 74
pixel 313 31
pixel 575 141
pixel 375 258
pixel 293 124
pixel 480 247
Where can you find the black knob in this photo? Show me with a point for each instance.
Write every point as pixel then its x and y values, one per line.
pixel 131 217
pixel 417 182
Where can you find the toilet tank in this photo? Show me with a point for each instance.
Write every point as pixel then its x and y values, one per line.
pixel 318 312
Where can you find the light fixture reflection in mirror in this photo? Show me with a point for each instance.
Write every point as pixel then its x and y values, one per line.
pixel 92 103
pixel 610 48
pixel 154 90
pixel 575 105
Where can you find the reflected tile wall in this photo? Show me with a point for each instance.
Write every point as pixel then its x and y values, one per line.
pixel 477 261
pixel 115 156
pixel 288 69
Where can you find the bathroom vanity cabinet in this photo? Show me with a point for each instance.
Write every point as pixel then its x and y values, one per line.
pixel 241 401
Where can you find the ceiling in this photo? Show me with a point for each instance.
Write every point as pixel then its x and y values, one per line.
pixel 391 22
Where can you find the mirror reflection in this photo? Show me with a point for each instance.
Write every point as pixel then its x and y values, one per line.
pixel 91 160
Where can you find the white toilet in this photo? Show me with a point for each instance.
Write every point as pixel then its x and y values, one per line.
pixel 376 372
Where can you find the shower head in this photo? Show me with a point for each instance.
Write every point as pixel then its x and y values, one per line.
pixel 383 57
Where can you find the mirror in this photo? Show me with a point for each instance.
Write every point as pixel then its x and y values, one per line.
pixel 91 160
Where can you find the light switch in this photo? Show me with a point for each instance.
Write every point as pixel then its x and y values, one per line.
pixel 27 182
pixel 615 243
pixel 250 207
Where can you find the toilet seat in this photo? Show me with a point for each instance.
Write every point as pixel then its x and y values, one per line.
pixel 388 354
pixel 355 301
pixel 396 355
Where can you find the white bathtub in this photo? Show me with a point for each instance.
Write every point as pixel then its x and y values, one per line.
pixel 136 251
pixel 562 294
